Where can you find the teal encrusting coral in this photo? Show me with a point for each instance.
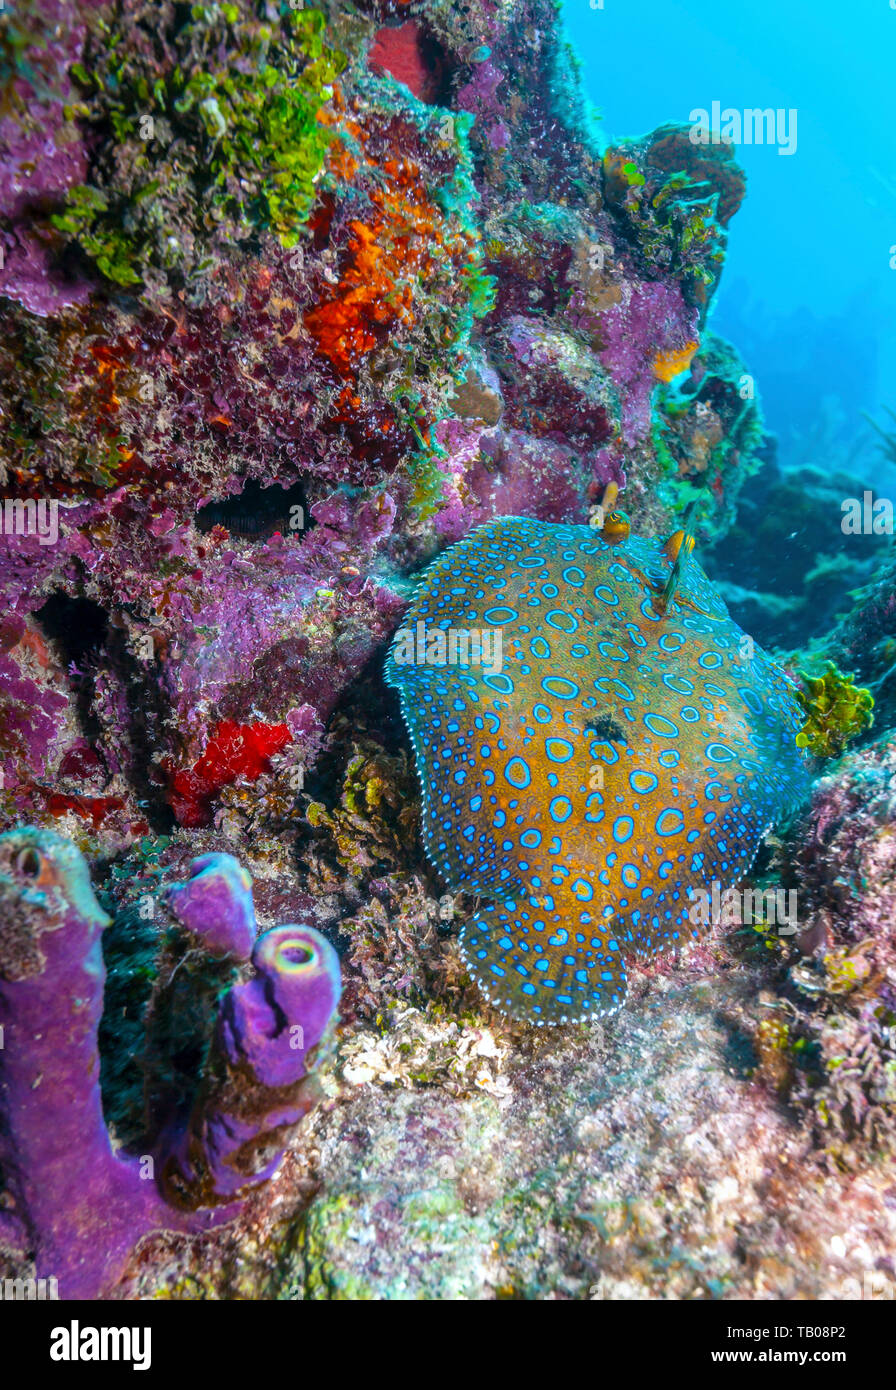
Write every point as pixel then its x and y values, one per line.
pixel 587 752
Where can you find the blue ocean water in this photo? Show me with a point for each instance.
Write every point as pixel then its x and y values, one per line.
pixel 808 294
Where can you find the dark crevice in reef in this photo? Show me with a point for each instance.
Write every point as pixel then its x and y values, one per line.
pixel 441 67
pixel 146 712
pixel 367 721
pixel 87 641
pixel 159 1012
pixel 79 630
pixel 181 15
pixel 77 625
pixel 257 512
pixel 738 1049
pixel 369 709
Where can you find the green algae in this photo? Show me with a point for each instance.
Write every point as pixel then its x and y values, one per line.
pixel 836 711
pixel 200 146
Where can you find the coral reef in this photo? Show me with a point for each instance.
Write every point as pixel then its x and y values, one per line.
pixel 786 568
pixel 677 199
pixel 626 1173
pixel 639 1162
pixel 309 323
pixel 864 640
pixel 841 982
pixel 709 431
pixel 292 300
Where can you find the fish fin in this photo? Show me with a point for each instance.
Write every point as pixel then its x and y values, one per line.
pixel 724 853
pixel 654 933
pixel 504 945
pixel 678 548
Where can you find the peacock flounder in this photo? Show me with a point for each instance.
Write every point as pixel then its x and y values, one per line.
pixel 595 737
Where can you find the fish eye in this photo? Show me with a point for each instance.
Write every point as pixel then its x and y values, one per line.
pixel 28 862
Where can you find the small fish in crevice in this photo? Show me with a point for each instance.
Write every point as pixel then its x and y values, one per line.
pixel 257 512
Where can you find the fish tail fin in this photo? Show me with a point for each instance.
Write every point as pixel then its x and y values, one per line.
pixel 529 963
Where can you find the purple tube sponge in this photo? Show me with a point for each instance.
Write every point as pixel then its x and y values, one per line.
pixel 78 1209
pixel 216 905
pixel 255 1088
pixel 76 1206
pixel 296 986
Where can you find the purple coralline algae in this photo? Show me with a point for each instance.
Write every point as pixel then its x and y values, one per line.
pixel 259 389
pixel 76 1206
pixel 292 299
pixel 42 154
pixel 841 986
